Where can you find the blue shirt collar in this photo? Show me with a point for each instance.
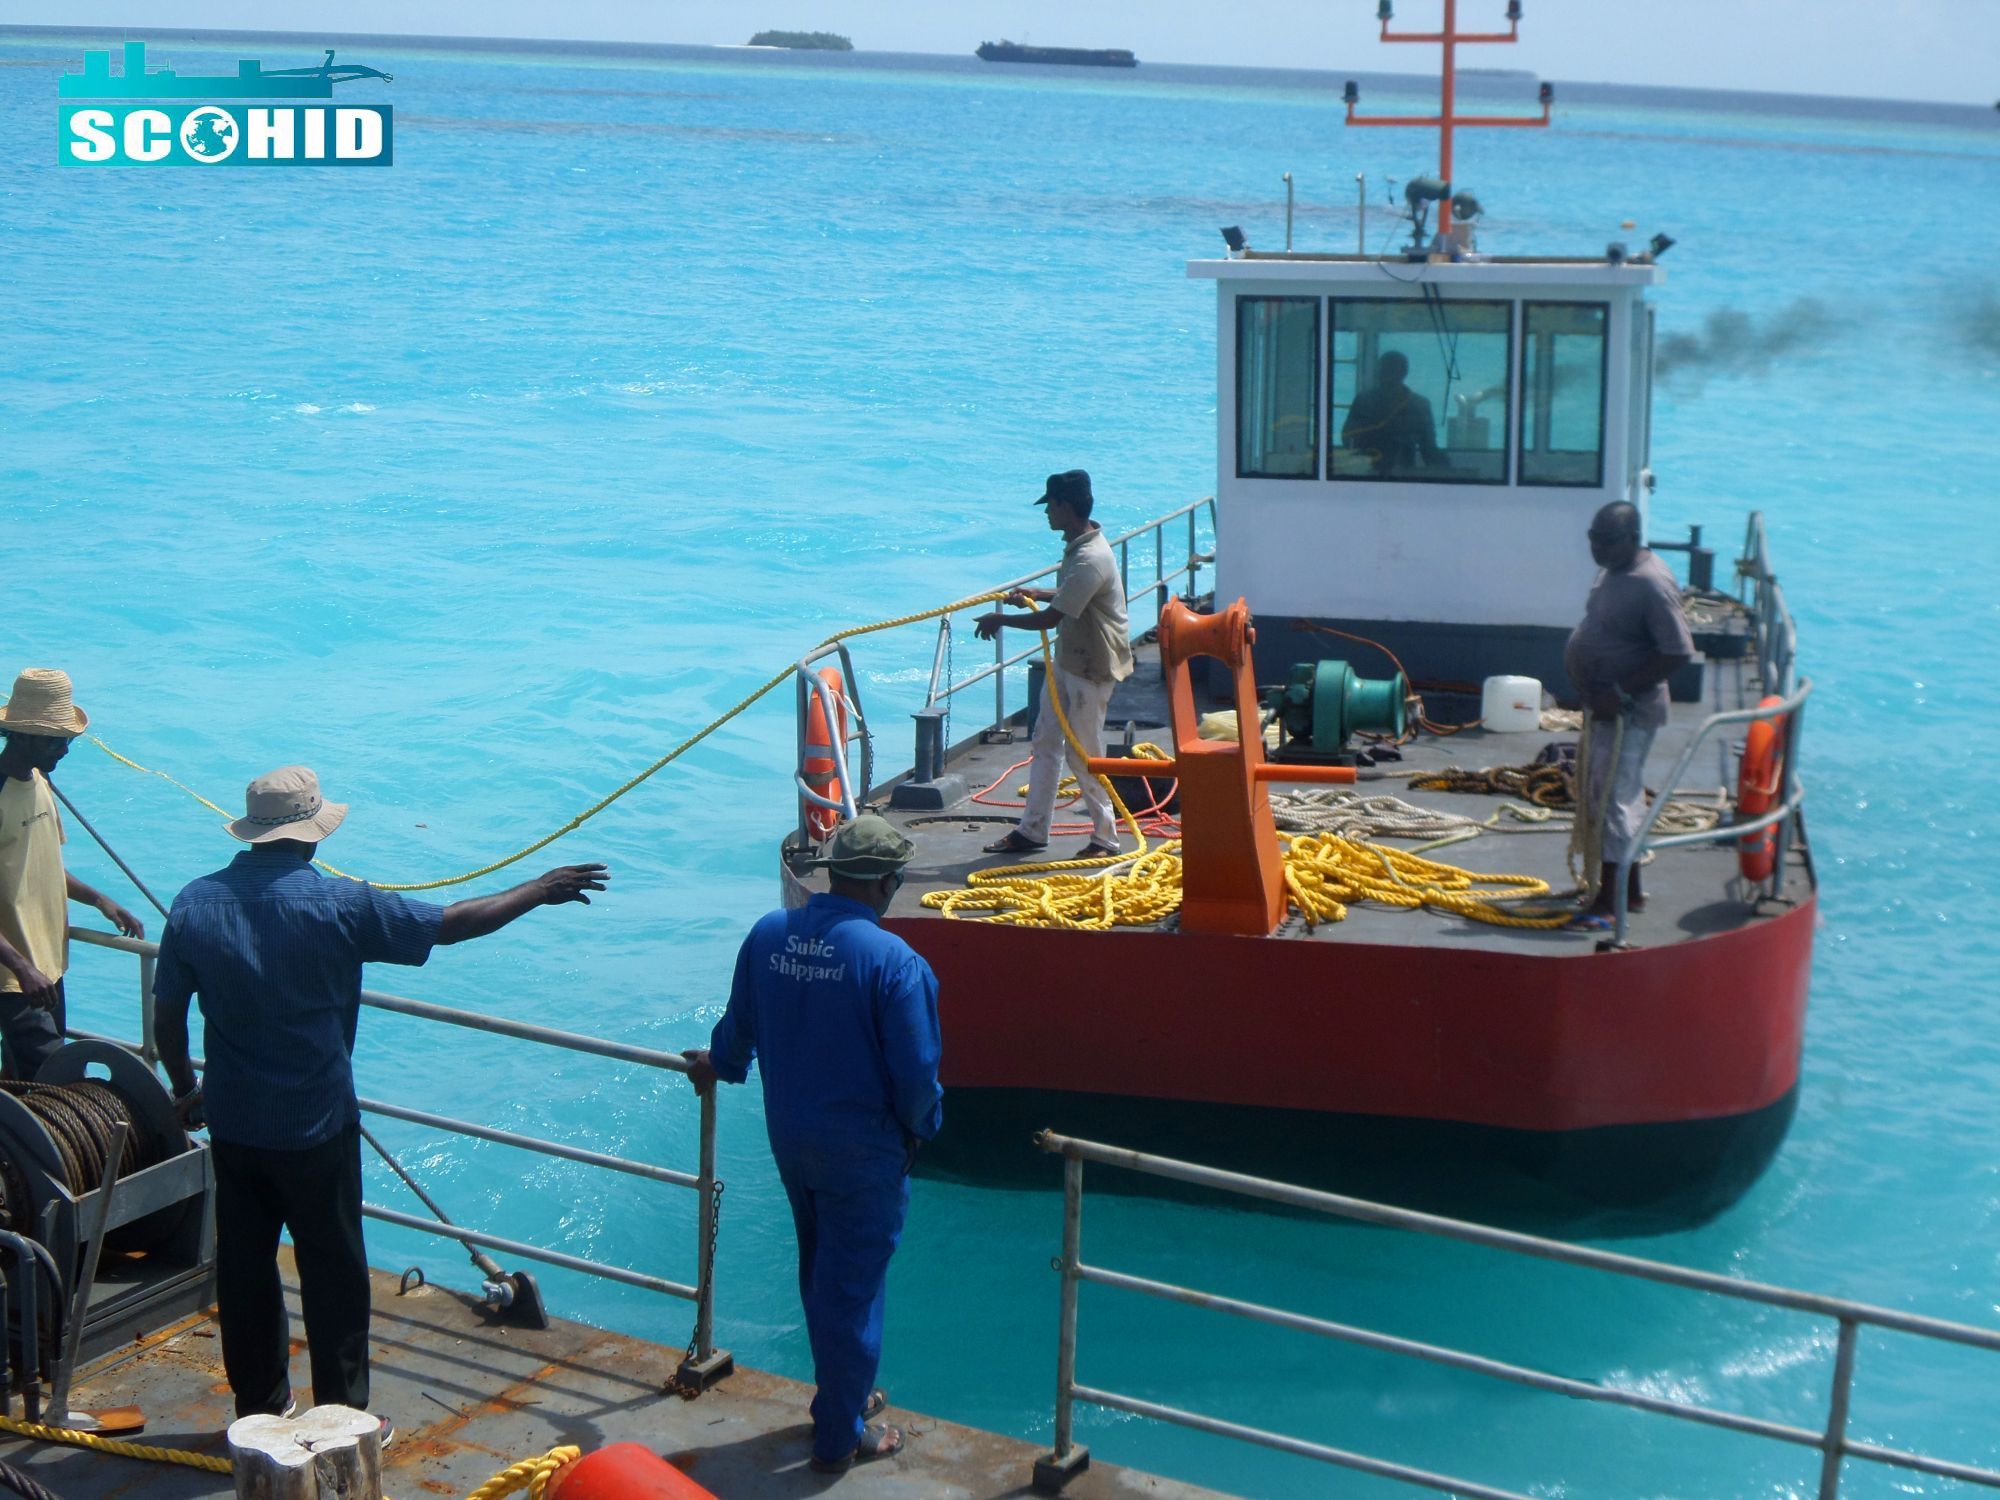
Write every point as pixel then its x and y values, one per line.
pixel 842 903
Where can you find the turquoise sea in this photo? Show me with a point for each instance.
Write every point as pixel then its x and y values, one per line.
pixel 479 481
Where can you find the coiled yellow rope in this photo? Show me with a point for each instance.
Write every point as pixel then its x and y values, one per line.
pixel 150 1454
pixel 532 1474
pixel 605 801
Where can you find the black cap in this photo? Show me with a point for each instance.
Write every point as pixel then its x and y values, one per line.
pixel 1070 487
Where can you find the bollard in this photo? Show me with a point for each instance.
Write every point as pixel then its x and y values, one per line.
pixel 327 1453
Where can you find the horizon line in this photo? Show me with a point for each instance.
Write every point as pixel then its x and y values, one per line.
pixel 523 43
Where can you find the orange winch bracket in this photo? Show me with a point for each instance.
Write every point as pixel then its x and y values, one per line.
pixel 1232 869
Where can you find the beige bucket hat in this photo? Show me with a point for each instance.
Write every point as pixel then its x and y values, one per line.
pixel 286 804
pixel 41 705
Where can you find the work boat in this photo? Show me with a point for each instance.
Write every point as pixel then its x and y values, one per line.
pixel 1346 957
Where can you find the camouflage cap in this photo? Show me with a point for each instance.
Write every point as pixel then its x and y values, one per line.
pixel 867 848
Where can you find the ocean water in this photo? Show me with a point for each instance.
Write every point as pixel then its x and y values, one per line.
pixel 479 481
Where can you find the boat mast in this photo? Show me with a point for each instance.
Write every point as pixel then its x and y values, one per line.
pixel 1447 117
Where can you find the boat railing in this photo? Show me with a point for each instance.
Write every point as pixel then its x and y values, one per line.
pixel 1790 715
pixel 1775 636
pixel 1193 559
pixel 704 1361
pixel 1830 1438
pixel 848 790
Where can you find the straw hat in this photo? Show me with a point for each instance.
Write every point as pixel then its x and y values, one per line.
pixel 286 804
pixel 41 705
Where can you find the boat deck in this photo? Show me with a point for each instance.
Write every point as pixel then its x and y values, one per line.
pixel 470 1396
pixel 1691 892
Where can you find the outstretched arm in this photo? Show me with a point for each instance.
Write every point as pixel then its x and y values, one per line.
pixel 477 916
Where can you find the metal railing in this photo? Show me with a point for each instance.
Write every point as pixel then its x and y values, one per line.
pixel 848 791
pixel 1830 1439
pixel 941 691
pixel 1775 638
pixel 705 1361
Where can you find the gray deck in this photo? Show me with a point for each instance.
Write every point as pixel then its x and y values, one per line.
pixel 1691 892
pixel 470 1396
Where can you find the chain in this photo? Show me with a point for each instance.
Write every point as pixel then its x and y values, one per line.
pixel 687 1390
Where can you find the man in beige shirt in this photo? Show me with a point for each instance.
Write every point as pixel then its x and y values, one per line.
pixel 36 726
pixel 1093 654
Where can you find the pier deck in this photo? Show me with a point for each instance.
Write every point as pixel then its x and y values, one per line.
pixel 470 1396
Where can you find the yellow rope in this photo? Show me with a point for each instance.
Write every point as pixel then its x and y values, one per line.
pixel 532 1474
pixel 603 802
pixel 150 1454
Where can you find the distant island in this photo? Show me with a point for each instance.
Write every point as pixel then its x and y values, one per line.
pixel 803 41
pixel 1088 57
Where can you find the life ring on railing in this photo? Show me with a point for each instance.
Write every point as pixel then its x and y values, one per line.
pixel 1757 787
pixel 818 769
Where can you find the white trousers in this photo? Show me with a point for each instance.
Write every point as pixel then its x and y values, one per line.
pixel 1085 702
pixel 1626 809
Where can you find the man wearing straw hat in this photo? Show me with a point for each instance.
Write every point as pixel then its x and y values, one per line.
pixel 37 724
pixel 275 950
pixel 841 1018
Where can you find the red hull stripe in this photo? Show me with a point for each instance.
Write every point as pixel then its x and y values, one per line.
pixel 1693 1030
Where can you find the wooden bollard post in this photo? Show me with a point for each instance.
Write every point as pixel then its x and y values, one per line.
pixel 327 1453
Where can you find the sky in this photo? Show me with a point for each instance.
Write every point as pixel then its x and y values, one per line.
pixel 1944 50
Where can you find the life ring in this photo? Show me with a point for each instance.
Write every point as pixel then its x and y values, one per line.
pixel 1757 785
pixel 818 769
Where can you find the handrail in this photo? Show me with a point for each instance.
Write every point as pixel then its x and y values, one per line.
pixel 1792 710
pixel 705 1362
pixel 939 691
pixel 1069 1458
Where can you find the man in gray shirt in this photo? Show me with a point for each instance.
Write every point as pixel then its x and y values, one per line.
pixel 1632 638
pixel 1093 654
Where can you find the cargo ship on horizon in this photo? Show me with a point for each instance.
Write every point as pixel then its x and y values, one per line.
pixel 1085 57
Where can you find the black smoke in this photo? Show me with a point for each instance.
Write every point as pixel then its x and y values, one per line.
pixel 1732 342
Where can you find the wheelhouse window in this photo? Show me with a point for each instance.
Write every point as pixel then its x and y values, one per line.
pixel 1562 392
pixel 1419 390
pixel 1277 387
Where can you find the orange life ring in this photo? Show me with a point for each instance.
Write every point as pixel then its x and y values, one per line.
pixel 1757 787
pixel 818 768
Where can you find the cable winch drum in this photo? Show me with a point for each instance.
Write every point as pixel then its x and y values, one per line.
pixel 56 1131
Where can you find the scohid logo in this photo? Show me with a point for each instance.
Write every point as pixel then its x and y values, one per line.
pixel 163 133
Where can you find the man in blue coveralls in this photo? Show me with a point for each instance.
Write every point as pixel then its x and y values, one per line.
pixel 843 1017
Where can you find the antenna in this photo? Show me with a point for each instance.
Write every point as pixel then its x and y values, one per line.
pixel 1447 118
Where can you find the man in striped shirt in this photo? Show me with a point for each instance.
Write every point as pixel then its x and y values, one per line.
pixel 275 951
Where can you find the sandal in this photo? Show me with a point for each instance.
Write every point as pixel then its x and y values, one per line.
pixel 876 1442
pixel 1014 843
pixel 873 1407
pixel 1095 850
pixel 1589 921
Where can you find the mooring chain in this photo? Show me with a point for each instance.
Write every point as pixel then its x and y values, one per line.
pixel 687 1390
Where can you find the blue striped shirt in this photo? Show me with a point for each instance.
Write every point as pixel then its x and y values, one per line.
pixel 274 949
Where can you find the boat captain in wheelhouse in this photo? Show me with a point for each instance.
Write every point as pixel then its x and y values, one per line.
pixel 1497 403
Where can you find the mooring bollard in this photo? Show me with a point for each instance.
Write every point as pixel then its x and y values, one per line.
pixel 327 1453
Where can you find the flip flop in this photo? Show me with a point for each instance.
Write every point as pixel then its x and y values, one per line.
pixel 882 1441
pixel 1588 921
pixel 877 1400
pixel 1095 850
pixel 1013 843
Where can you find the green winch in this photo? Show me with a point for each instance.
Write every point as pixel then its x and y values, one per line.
pixel 1325 702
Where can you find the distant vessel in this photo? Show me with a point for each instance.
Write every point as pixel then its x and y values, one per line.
pixel 1087 57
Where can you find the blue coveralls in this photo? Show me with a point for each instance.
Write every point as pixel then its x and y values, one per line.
pixel 842 1018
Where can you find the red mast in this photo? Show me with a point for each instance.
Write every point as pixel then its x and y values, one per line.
pixel 1447 117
